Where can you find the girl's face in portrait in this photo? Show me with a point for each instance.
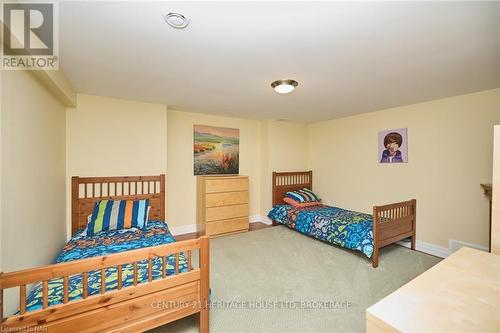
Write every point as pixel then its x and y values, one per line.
pixel 392 148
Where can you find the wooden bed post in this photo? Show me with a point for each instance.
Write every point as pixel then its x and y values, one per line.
pixel 162 196
pixel 310 179
pixel 1 301
pixel 75 189
pixel 375 238
pixel 414 223
pixel 274 195
pixel 204 283
pixel 274 185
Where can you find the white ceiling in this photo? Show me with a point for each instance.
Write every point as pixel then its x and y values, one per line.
pixel 348 58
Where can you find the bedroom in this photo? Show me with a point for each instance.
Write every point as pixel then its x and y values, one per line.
pixel 128 96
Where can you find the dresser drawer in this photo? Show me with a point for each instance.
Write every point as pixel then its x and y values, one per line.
pixel 226 212
pixel 226 185
pixel 226 198
pixel 224 226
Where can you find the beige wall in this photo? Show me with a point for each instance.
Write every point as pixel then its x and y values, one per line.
pixel 33 176
pixel 495 228
pixel 114 137
pixel 284 149
pixel 181 182
pixel 450 154
pixel 33 172
pixel 146 139
pixel 1 168
pixel 58 84
pixel 442 174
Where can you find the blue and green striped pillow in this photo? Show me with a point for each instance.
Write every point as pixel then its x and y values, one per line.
pixel 304 195
pixel 118 214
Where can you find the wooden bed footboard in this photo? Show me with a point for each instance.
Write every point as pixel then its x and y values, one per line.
pixel 136 308
pixel 392 223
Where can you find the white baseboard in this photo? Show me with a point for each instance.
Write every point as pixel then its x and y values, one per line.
pixel 455 245
pixel 183 229
pixel 441 251
pixel 254 218
pixel 190 228
pixel 260 218
pixel 435 250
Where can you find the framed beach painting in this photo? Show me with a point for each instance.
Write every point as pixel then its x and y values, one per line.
pixel 216 150
pixel 393 146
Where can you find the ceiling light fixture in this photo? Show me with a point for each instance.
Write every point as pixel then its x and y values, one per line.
pixel 176 20
pixel 284 86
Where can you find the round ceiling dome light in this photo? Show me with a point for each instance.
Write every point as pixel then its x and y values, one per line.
pixel 176 20
pixel 284 86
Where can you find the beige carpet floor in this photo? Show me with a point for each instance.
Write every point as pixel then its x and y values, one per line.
pixel 284 268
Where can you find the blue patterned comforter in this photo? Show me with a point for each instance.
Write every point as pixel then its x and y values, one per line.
pixel 338 226
pixel 82 246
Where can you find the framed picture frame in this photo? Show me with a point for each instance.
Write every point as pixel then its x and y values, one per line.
pixel 216 150
pixel 393 146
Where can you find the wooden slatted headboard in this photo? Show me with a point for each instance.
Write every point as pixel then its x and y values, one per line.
pixel 86 191
pixel 289 181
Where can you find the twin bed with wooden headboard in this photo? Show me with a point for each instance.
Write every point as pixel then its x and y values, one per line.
pixel 152 285
pixel 389 223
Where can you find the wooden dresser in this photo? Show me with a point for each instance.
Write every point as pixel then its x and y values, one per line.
pixel 222 205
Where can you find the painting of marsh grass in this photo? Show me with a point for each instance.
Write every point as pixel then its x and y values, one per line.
pixel 216 150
